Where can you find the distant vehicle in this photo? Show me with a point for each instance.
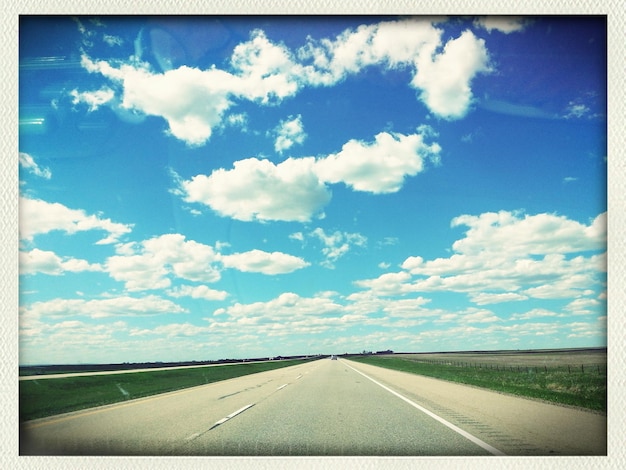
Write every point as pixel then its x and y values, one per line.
pixel 333 358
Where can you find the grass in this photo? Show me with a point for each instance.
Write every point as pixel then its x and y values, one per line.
pixel 46 397
pixel 557 385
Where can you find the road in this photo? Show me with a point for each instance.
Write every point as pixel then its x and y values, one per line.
pixel 323 407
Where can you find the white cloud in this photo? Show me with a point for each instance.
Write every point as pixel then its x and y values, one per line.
pixel 286 306
pixel 390 44
pixel 508 232
pixel 444 78
pixel 153 263
pixel 198 292
pixel 288 133
pixel 94 99
pixel 585 306
pixel 28 163
pixel 258 261
pixel 256 190
pixel 380 167
pixel 112 40
pixel 503 24
pixel 534 313
pixel 388 284
pixel 194 102
pixel 267 70
pixel 172 330
pixel 154 259
pixel 576 110
pixel 337 244
pixel 297 236
pixel 509 257
pixel 484 298
pixel 47 262
pixel 100 308
pixel 40 217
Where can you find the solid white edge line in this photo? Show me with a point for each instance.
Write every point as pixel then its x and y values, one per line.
pixel 456 429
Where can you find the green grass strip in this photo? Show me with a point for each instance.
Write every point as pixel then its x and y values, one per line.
pixel 46 397
pixel 586 390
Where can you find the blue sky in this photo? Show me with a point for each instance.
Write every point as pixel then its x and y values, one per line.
pixel 200 188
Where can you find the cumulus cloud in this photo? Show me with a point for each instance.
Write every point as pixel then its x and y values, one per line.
pixel 194 102
pixel 267 71
pixel 508 257
pixel 444 78
pixel 288 133
pixel 379 167
pixel 40 217
pixel 153 260
pixel 257 261
pixel 100 308
pixel 286 305
pixel 256 189
pixel 512 232
pixel 261 190
pixel 28 163
pixel 484 298
pixel 47 262
pixel 153 263
pixel 198 292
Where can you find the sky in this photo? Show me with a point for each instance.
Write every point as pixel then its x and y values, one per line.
pixel 200 188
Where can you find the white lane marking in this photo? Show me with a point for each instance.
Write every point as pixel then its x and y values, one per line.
pixel 299 377
pixel 456 429
pixel 282 386
pixel 232 415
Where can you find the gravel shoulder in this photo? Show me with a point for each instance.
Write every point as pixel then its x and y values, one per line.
pixel 515 425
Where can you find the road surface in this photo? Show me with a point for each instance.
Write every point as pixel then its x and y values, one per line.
pixel 324 407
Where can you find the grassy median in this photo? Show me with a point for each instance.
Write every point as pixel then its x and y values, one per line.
pixel 565 385
pixel 46 397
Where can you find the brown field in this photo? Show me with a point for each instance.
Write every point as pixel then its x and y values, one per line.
pixel 533 358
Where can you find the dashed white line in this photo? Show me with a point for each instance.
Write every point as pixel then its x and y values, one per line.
pixel 282 386
pixel 456 429
pixel 232 415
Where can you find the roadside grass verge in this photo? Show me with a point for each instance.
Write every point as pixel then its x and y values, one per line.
pixel 574 388
pixel 47 397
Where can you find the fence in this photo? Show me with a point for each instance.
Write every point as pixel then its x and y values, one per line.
pixel 599 369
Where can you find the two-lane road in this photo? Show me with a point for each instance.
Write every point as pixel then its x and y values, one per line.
pixel 323 407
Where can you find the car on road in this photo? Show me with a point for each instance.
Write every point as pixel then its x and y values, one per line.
pixel 333 358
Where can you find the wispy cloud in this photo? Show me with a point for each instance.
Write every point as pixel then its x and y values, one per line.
pixel 28 163
pixel 503 24
pixel 337 244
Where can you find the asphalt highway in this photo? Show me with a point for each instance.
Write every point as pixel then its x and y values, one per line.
pixel 325 407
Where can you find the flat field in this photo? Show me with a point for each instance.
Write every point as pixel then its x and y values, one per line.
pixel 576 377
pixel 51 396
